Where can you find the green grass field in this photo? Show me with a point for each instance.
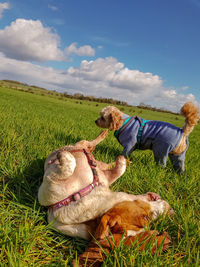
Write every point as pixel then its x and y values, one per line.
pixel 31 126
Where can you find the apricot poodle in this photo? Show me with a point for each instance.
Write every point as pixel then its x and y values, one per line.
pixel 163 138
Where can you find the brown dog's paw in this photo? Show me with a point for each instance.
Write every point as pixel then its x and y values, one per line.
pixel 163 241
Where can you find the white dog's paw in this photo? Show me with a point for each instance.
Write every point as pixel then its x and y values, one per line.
pixel 121 164
pixel 104 134
pixel 121 160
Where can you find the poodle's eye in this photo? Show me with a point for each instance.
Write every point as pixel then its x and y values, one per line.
pixel 102 118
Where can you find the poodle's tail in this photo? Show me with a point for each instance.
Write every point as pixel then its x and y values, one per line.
pixel 191 113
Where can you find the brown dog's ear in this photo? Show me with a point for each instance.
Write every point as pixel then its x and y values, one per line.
pixel 103 228
pixel 144 220
pixel 106 224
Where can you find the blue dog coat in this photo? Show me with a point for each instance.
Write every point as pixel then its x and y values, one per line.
pixel 161 137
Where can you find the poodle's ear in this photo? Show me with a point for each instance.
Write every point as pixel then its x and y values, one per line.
pixel 116 121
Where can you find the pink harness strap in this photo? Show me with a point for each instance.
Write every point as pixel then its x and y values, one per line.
pixel 86 190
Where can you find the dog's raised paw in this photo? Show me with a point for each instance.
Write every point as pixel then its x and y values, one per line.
pixel 121 160
pixel 104 133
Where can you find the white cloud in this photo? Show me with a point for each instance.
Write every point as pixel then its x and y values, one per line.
pixel 85 50
pixel 135 80
pixel 98 78
pixel 172 100
pixel 115 75
pixel 97 70
pixel 3 6
pixel 29 40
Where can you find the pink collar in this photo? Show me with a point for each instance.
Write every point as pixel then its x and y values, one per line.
pixel 86 190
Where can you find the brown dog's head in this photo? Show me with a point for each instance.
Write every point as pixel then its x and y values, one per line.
pixel 110 118
pixel 124 216
pixel 130 217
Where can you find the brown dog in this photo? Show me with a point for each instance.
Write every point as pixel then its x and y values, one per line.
pixel 126 220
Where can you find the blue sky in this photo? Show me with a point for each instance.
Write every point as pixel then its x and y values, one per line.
pixel 135 51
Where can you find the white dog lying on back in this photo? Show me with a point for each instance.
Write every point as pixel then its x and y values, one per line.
pixel 75 187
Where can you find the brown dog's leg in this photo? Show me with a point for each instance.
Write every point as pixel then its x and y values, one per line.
pixel 150 238
pixel 96 251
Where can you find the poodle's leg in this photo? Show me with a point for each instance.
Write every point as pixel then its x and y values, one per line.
pixel 178 161
pixel 161 151
pixel 119 169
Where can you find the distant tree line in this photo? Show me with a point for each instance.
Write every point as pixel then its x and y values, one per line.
pixel 149 107
pixel 95 99
pixel 79 96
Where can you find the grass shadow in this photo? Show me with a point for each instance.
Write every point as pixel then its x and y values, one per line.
pixel 23 185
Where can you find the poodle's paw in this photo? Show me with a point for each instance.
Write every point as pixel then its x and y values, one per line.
pixel 153 196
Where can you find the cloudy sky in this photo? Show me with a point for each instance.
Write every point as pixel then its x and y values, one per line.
pixel 136 51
